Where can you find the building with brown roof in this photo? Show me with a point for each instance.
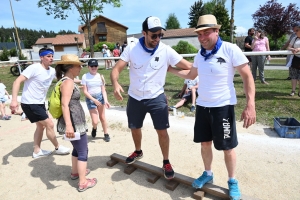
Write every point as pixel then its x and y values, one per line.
pixel 173 36
pixel 105 30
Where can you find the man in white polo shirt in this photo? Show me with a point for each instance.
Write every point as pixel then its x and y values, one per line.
pixel 149 60
pixel 215 65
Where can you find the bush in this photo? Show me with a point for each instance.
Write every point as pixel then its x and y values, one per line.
pixel 22 57
pixel 13 52
pixel 184 47
pixel 4 55
pixel 98 47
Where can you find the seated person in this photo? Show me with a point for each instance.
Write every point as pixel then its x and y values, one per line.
pixel 189 91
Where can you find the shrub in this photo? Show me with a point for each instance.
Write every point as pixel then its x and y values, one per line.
pixel 13 52
pixel 98 47
pixel 184 47
pixel 4 55
pixel 22 57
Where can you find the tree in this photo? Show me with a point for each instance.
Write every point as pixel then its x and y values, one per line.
pixel 222 16
pixel 172 22
pixel 276 20
pixel 210 5
pixel 85 8
pixel 196 11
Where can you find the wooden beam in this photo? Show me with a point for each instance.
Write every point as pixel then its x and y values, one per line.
pixel 207 188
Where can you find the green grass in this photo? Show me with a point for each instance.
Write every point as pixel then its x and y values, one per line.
pixel 271 100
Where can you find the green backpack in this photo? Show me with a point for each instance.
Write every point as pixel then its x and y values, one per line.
pixel 54 103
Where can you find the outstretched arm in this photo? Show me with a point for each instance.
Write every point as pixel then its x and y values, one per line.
pixel 114 77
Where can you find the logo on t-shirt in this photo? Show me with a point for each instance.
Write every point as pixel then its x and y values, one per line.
pixel 221 60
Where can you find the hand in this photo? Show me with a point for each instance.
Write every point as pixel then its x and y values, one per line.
pixel 14 106
pixel 107 105
pixel 295 50
pixel 117 92
pixel 97 103
pixel 70 132
pixel 249 116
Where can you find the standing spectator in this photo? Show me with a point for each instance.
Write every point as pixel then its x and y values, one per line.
pixel 248 42
pixel 124 46
pixel 37 79
pixel 3 99
pixel 106 53
pixel 215 64
pixel 284 47
pixel 96 97
pixel 116 53
pixel 150 60
pixel 188 91
pixel 73 119
pixel 260 43
pixel 294 71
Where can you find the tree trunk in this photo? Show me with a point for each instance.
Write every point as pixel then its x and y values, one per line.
pixel 90 37
pixel 232 21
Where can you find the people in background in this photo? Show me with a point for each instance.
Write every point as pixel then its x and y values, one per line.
pixel 260 43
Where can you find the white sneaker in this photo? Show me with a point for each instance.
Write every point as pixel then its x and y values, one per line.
pixel 62 150
pixel 41 153
pixel 23 117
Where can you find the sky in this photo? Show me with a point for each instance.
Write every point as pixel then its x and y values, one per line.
pixel 132 13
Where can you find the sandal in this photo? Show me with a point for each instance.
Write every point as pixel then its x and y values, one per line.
pixel 293 93
pixel 76 176
pixel 88 184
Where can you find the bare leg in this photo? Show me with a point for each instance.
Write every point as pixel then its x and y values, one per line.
pixel 294 84
pixel 38 136
pixel 81 166
pixel 101 111
pixel 207 155
pixel 137 138
pixel 230 161
pixel 48 124
pixel 164 142
pixel 180 103
pixel 94 117
pixel 2 109
pixel 74 165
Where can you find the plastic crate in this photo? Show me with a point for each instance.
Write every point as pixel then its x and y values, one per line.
pixel 287 127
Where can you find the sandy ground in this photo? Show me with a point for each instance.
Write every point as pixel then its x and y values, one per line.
pixel 267 168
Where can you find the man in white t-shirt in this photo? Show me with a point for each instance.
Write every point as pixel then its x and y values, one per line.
pixel 215 65
pixel 188 91
pixel 149 60
pixel 37 79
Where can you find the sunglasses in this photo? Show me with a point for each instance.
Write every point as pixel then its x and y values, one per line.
pixel 94 66
pixel 154 36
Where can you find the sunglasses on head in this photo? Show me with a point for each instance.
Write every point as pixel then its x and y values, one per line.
pixel 94 66
pixel 154 36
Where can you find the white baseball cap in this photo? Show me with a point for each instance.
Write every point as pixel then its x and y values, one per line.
pixel 152 24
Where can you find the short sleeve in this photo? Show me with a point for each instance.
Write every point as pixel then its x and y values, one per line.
pixel 83 79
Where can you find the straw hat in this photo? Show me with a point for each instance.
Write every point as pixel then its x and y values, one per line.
pixel 104 45
pixel 206 22
pixel 69 59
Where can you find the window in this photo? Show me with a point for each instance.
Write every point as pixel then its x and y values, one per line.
pixel 102 38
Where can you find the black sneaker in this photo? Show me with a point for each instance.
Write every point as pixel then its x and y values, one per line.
pixel 106 137
pixel 133 157
pixel 168 171
pixel 94 132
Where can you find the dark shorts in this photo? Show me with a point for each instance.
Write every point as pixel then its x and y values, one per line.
pixel 90 104
pixel 217 124
pixel 35 112
pixel 157 107
pixel 294 73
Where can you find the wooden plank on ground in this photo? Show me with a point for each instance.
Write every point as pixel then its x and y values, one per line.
pixel 152 178
pixel 207 188
pixel 171 185
pixel 129 169
pixel 199 195
pixel 111 163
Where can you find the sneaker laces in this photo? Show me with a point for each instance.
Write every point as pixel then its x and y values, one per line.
pixel 168 167
pixel 132 155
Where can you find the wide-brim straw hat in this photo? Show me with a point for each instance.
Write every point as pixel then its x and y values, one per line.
pixel 69 59
pixel 206 22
